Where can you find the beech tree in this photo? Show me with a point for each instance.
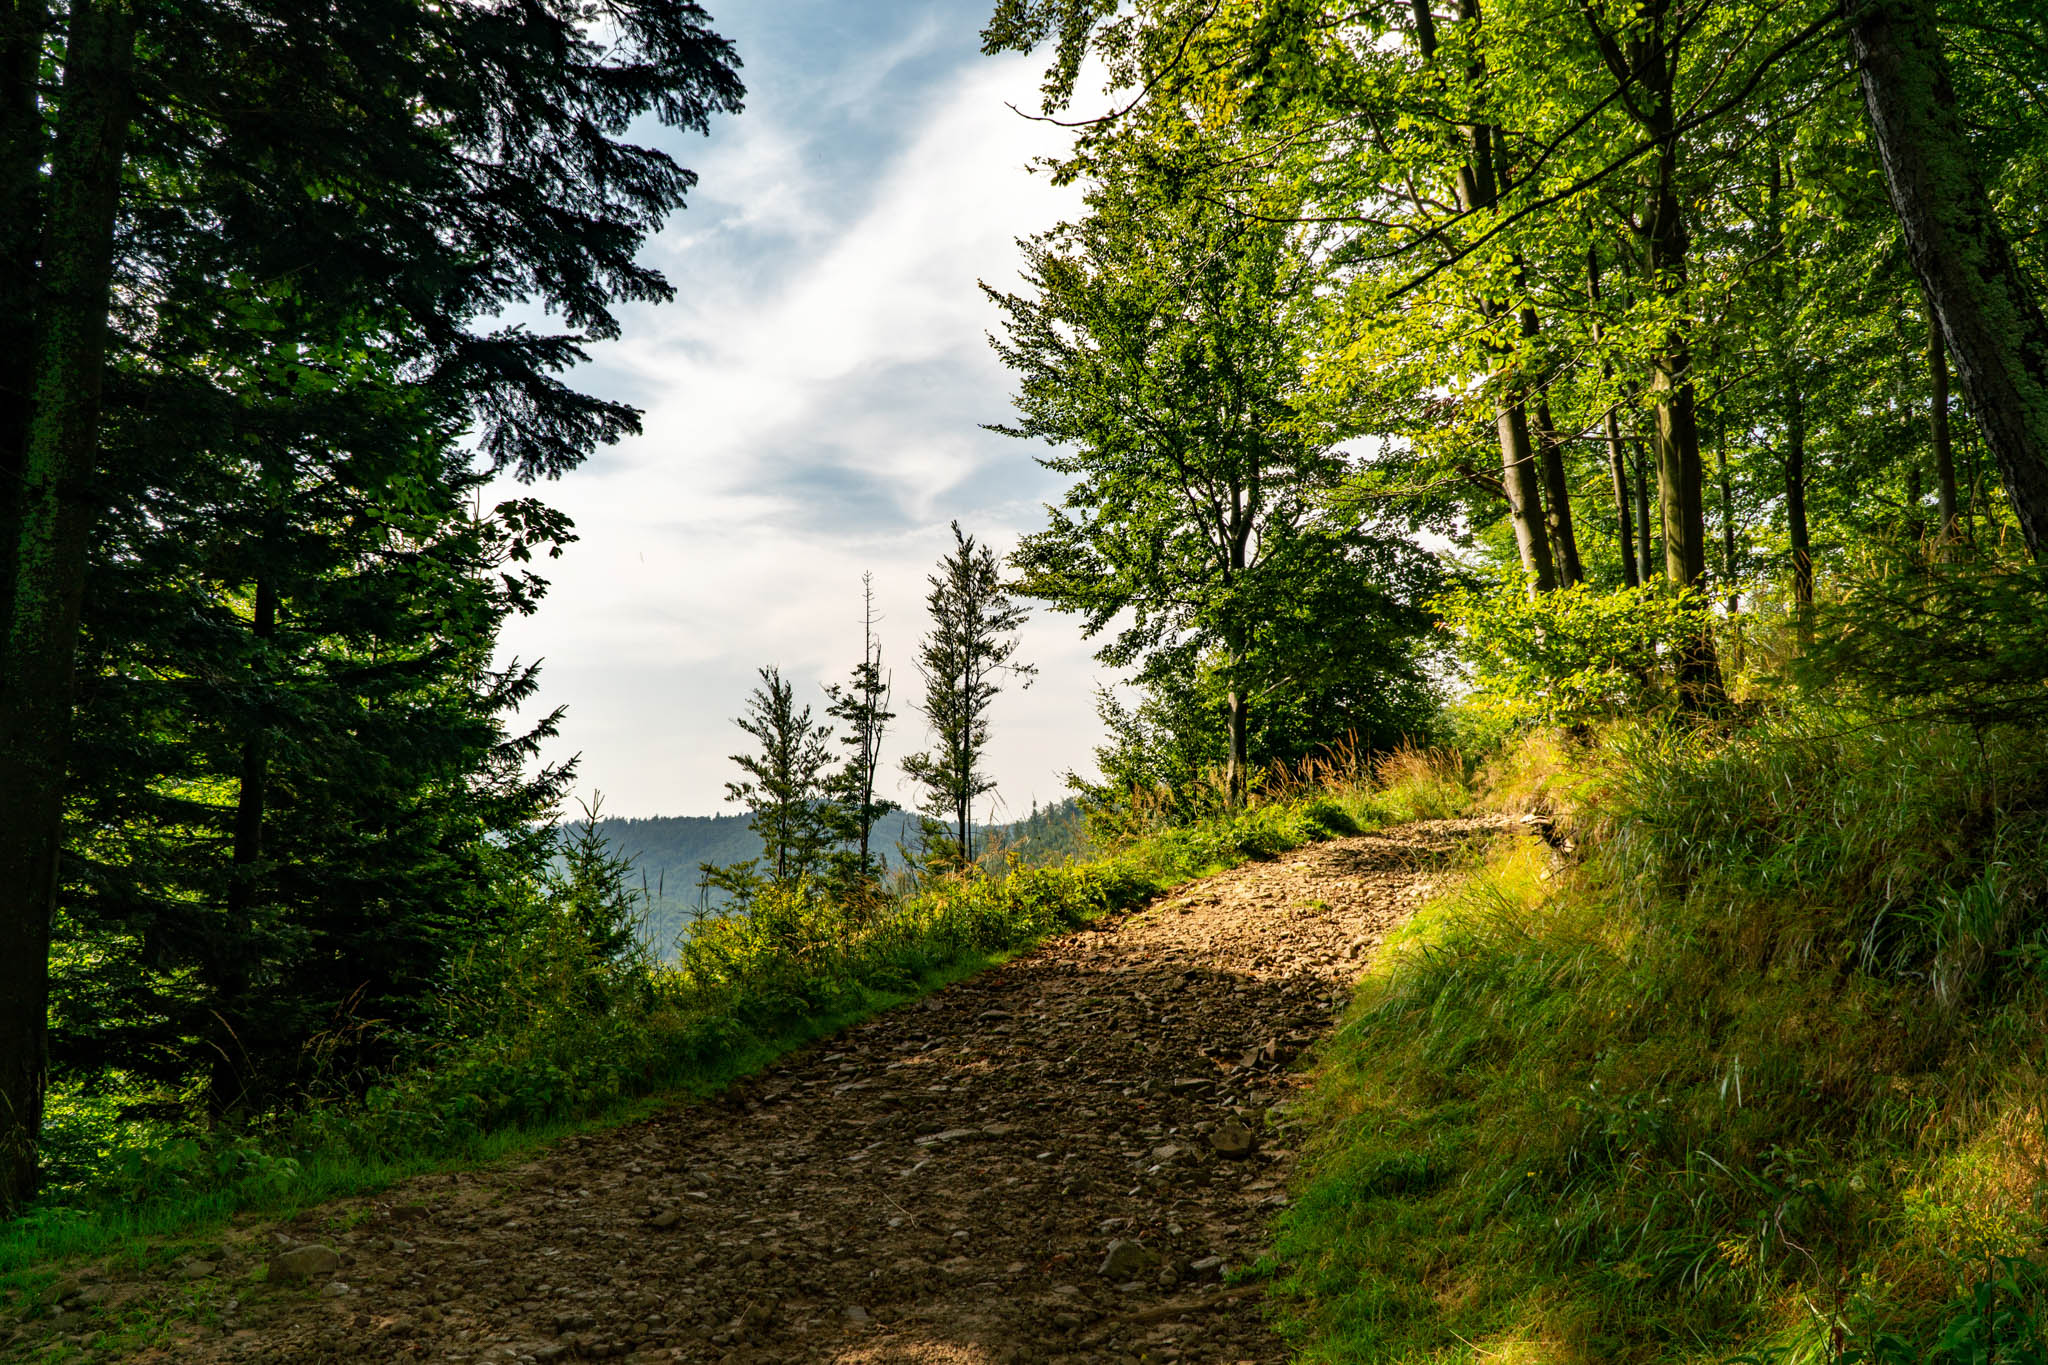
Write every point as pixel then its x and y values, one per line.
pixel 1162 352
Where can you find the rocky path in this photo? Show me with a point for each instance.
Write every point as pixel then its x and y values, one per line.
pixel 1055 1160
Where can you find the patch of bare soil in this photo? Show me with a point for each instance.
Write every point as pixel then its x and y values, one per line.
pixel 1055 1160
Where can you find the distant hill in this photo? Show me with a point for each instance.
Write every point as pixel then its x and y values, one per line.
pixel 666 849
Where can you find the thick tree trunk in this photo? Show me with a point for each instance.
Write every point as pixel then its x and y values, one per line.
pixel 1525 497
pixel 1994 327
pixel 1944 448
pixel 50 553
pixel 23 145
pixel 1675 435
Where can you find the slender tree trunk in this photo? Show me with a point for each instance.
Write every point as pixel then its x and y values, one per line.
pixel 1727 521
pixel 229 1079
pixel 1993 325
pixel 1239 767
pixel 1916 526
pixel 1944 450
pixel 1617 458
pixel 1646 547
pixel 1617 469
pixel 1520 478
pixel 1728 544
pixel 1795 510
pixel 1557 499
pixel 50 553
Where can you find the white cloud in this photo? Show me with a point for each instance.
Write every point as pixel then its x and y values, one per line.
pixel 811 405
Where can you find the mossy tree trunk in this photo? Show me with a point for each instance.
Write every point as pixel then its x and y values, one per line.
pixel 52 525
pixel 1993 326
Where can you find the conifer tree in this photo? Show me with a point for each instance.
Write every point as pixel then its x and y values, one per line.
pixel 972 641
pixel 862 706
pixel 413 169
pixel 785 785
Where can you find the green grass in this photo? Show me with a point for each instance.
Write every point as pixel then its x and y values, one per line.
pixel 1761 1076
pixel 541 1043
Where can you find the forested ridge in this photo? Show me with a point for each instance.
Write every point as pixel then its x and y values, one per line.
pixel 1619 431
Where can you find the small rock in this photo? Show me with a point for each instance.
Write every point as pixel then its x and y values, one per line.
pixel 1207 1267
pixel 304 1263
pixel 1231 1138
pixel 335 1289
pixel 195 1269
pixel 853 1312
pixel 1124 1260
pixel 667 1218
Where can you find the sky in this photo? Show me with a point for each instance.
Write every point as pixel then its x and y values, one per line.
pixel 812 403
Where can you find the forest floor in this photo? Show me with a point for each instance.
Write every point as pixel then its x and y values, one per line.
pixel 1058 1160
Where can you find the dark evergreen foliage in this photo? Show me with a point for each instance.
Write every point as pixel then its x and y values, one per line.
pixel 295 792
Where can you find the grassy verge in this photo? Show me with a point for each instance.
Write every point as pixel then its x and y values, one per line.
pixel 1759 1077
pixel 540 1044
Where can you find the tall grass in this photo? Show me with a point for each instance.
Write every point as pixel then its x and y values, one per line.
pixel 1762 1075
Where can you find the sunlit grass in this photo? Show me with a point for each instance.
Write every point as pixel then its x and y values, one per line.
pixel 1761 1074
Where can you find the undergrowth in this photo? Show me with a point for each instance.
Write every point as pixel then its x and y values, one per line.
pixel 539 1038
pixel 1758 1076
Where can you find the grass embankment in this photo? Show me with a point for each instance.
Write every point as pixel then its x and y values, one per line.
pixel 1758 1075
pixel 540 1041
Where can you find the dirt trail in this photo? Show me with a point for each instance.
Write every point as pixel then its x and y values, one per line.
pixel 1041 1163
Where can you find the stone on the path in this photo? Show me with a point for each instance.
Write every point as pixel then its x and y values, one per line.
pixel 1231 1138
pixel 853 1312
pixel 335 1290
pixel 667 1218
pixel 304 1262
pixel 1125 1260
pixel 1207 1266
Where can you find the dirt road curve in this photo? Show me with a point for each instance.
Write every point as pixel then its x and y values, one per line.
pixel 1046 1162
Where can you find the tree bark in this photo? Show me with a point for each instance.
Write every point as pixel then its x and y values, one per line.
pixel 1239 715
pixel 1728 544
pixel 1617 458
pixel 1944 448
pixel 1646 547
pixel 1520 478
pixel 1795 508
pixel 1557 494
pixel 1993 325
pixel 50 553
pixel 228 1078
pixel 23 145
